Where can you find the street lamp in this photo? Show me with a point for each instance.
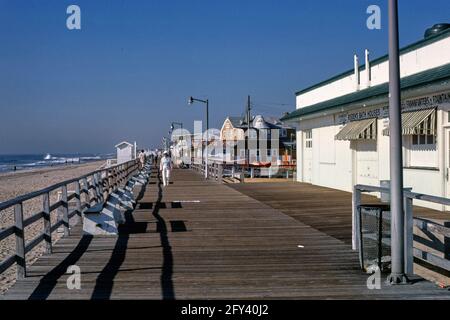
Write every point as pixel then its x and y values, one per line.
pixel 191 101
pixel 397 275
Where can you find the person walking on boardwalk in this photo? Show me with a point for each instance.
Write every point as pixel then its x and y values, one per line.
pixel 141 159
pixel 165 166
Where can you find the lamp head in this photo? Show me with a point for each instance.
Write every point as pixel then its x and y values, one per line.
pixel 191 100
pixel 171 127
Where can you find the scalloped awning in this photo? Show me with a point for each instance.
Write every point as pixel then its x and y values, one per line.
pixel 357 130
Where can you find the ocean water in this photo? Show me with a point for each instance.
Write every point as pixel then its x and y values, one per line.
pixel 32 161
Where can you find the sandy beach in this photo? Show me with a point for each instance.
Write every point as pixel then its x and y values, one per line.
pixel 14 184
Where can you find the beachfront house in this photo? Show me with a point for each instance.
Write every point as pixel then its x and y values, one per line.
pixel 125 152
pixel 343 122
pixel 267 134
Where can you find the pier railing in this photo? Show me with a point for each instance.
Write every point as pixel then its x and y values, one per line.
pixel 218 170
pixel 89 190
pixel 427 232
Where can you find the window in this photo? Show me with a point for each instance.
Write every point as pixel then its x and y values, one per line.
pixel 308 139
pixel 423 139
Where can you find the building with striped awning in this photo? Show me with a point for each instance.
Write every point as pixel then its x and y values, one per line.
pixel 343 122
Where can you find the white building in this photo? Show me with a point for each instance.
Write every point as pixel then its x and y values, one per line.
pixel 125 152
pixel 343 125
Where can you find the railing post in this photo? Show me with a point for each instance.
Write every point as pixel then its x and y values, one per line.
pixel 87 195
pixel 356 201
pixel 78 197
pixel 100 186
pixel 409 236
pixel 98 196
pixel 219 173
pixel 20 241
pixel 65 210
pixel 47 223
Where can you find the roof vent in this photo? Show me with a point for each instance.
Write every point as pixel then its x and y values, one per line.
pixel 437 28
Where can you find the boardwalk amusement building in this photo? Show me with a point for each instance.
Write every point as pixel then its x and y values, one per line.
pixel 343 124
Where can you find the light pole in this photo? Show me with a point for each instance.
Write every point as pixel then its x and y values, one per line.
pixel 191 101
pixel 397 275
pixel 164 140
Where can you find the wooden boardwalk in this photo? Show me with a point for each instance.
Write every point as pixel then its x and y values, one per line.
pixel 308 204
pixel 203 240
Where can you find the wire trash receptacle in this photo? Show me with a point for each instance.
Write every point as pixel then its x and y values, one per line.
pixel 375 239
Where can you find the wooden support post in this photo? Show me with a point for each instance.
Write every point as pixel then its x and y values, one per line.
pixel 409 236
pixel 219 173
pixel 356 201
pixel 87 194
pixel 47 222
pixel 65 210
pixel 98 197
pixel 100 186
pixel 20 241
pixel 78 197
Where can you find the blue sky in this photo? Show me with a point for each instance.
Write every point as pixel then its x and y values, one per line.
pixel 127 73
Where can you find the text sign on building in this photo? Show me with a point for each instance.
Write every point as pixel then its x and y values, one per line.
pixel 435 101
pixel 363 114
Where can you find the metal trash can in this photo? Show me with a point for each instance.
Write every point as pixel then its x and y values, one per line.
pixel 375 235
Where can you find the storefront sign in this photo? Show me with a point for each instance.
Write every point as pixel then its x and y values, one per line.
pixel 434 101
pixel 363 114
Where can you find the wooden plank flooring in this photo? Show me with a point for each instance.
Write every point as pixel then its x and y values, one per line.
pixel 325 209
pixel 217 243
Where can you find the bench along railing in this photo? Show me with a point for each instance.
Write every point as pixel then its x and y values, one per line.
pixel 96 186
pixel 410 222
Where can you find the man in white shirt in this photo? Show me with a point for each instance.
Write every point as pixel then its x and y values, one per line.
pixel 165 166
pixel 141 157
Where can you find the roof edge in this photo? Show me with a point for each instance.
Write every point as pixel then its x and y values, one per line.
pixel 415 45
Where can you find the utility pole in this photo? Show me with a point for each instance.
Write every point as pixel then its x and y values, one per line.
pixel 397 275
pixel 248 130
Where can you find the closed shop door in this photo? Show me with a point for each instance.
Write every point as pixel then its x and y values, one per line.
pixel 367 163
pixel 307 156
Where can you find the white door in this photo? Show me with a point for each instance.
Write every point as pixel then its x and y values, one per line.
pixel 447 164
pixel 367 163
pixel 307 156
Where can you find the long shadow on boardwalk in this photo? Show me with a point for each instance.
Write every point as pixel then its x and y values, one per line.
pixel 105 280
pixel 167 289
pixel 49 281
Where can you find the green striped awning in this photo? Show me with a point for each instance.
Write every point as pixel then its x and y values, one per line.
pixel 421 122
pixel 356 130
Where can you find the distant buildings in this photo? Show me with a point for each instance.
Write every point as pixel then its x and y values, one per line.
pixel 343 136
pixel 271 141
